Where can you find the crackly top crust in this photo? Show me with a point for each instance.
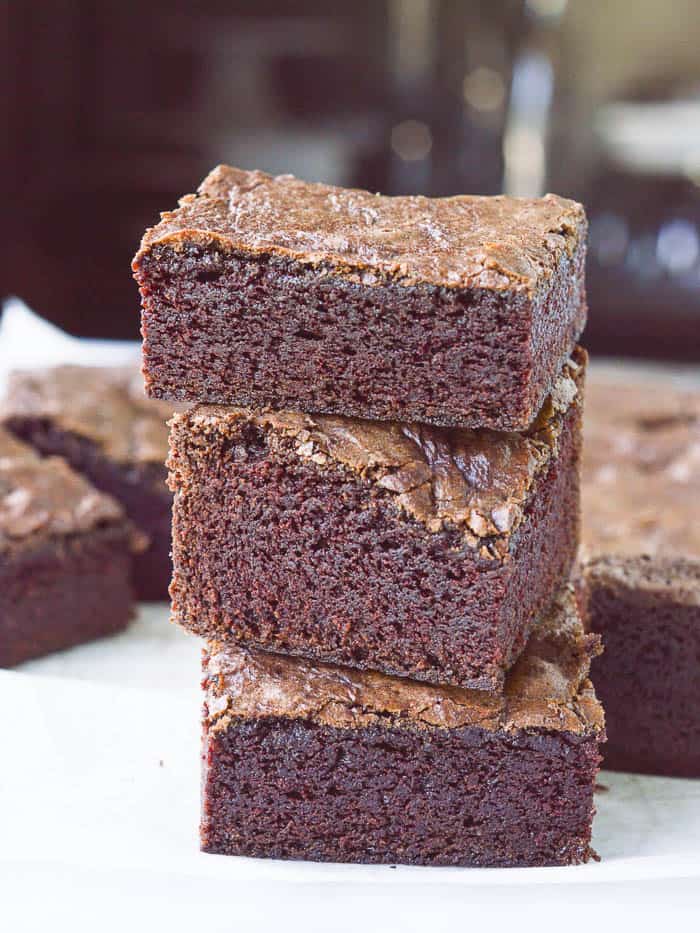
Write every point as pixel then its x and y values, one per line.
pixel 499 243
pixel 105 405
pixel 672 578
pixel 477 480
pixel 641 469
pixel 43 497
pixel 547 689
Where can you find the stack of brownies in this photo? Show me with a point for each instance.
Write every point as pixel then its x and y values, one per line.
pixel 376 514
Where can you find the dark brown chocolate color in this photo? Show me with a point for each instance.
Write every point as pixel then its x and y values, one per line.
pixel 263 291
pixel 65 556
pixel 414 550
pixel 314 761
pixel 647 611
pixel 99 420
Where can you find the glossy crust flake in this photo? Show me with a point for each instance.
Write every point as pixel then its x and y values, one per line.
pixel 464 241
pixel 547 689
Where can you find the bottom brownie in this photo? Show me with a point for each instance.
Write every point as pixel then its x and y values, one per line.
pixel 647 611
pixel 325 763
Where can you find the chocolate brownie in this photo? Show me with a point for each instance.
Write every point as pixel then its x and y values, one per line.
pixel 414 550
pixel 326 763
pixel 263 291
pixel 647 611
pixel 65 556
pixel 99 420
pixel 641 469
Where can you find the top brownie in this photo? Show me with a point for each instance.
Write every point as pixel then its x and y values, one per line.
pixel 270 291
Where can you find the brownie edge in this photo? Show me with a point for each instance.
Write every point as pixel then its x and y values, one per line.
pixel 647 612
pixel 314 761
pixel 264 291
pixel 421 552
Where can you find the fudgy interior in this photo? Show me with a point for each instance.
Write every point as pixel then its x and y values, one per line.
pixel 294 789
pixel 648 680
pixel 63 592
pixel 140 488
pixel 273 552
pixel 231 329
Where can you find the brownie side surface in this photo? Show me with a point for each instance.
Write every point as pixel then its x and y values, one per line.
pixel 98 420
pixel 473 333
pixel 61 593
pixel 647 612
pixel 326 763
pixel 65 556
pixel 371 545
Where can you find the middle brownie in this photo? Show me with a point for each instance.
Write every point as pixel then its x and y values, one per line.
pixel 417 551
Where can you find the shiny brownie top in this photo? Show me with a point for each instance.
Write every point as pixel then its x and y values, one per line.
pixel 475 479
pixel 547 688
pixel 467 241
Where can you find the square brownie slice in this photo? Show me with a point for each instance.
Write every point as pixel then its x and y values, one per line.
pixel 325 763
pixel 418 551
pixel 647 612
pixel 271 291
pixel 99 420
pixel 65 557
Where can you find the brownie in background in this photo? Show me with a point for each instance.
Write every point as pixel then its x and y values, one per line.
pixel 319 762
pixel 418 551
pixel 99 420
pixel 271 291
pixel 640 484
pixel 65 557
pixel 647 612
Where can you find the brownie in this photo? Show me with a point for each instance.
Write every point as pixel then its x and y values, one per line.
pixel 99 420
pixel 65 556
pixel 641 469
pixel 414 550
pixel 647 611
pixel 327 763
pixel 270 291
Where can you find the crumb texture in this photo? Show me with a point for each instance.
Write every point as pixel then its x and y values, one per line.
pixel 296 551
pixel 647 611
pixel 294 789
pixel 547 688
pixel 56 594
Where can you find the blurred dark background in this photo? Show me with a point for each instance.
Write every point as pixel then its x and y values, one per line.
pixel 112 110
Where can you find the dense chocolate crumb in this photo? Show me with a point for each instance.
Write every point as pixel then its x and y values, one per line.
pixel 647 611
pixel 421 552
